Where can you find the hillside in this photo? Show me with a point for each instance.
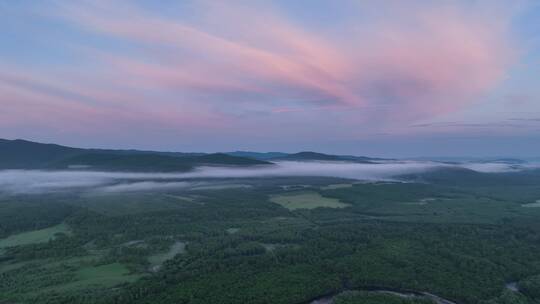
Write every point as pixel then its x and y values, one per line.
pixel 222 158
pixel 463 177
pixel 21 154
pixel 314 156
pixel 258 155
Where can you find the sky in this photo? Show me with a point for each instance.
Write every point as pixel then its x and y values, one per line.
pixel 378 78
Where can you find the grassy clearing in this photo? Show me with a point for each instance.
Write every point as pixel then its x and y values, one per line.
pixel 99 276
pixel 160 258
pixel 34 237
pixel 38 277
pixel 105 275
pixel 306 200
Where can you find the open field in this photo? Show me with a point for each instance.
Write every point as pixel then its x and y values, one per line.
pixel 33 237
pixel 105 275
pixel 306 200
pixel 160 258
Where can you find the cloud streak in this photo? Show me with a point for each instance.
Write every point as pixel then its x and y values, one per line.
pixel 229 68
pixel 434 61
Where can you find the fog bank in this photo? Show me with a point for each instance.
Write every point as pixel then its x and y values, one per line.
pixel 34 181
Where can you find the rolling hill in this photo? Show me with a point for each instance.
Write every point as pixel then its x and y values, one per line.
pixel 22 154
pixel 314 156
pixel 258 155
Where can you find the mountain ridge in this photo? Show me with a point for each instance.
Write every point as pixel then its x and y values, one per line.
pixel 23 154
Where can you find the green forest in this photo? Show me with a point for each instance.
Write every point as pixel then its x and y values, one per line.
pixel 464 239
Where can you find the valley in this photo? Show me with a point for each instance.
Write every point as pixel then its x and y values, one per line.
pixel 395 233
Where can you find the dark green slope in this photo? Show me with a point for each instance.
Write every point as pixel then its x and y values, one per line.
pixel 462 177
pixel 149 162
pixel 258 155
pixel 121 162
pixel 314 156
pixel 222 158
pixel 21 154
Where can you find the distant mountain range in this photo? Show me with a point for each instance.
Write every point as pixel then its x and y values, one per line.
pixel 304 156
pixel 456 160
pixel 23 154
pixel 312 156
pixel 258 155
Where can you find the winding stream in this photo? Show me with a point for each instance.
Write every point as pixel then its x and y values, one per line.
pixel 329 299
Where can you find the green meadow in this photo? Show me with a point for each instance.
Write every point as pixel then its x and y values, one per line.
pixel 36 236
pixel 306 200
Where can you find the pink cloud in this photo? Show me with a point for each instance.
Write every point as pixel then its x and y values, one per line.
pixel 32 100
pixel 439 61
pixel 417 63
pixel 304 62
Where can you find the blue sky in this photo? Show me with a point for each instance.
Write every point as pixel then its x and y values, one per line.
pixel 388 78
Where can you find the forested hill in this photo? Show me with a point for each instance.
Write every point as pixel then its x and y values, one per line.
pixel 314 156
pixel 22 154
pixel 258 155
pixel 15 154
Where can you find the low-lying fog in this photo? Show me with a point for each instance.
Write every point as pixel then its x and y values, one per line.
pixel 32 181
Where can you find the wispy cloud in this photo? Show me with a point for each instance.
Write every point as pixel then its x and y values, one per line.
pixel 216 67
pixel 526 119
pixel 453 124
pixel 440 59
